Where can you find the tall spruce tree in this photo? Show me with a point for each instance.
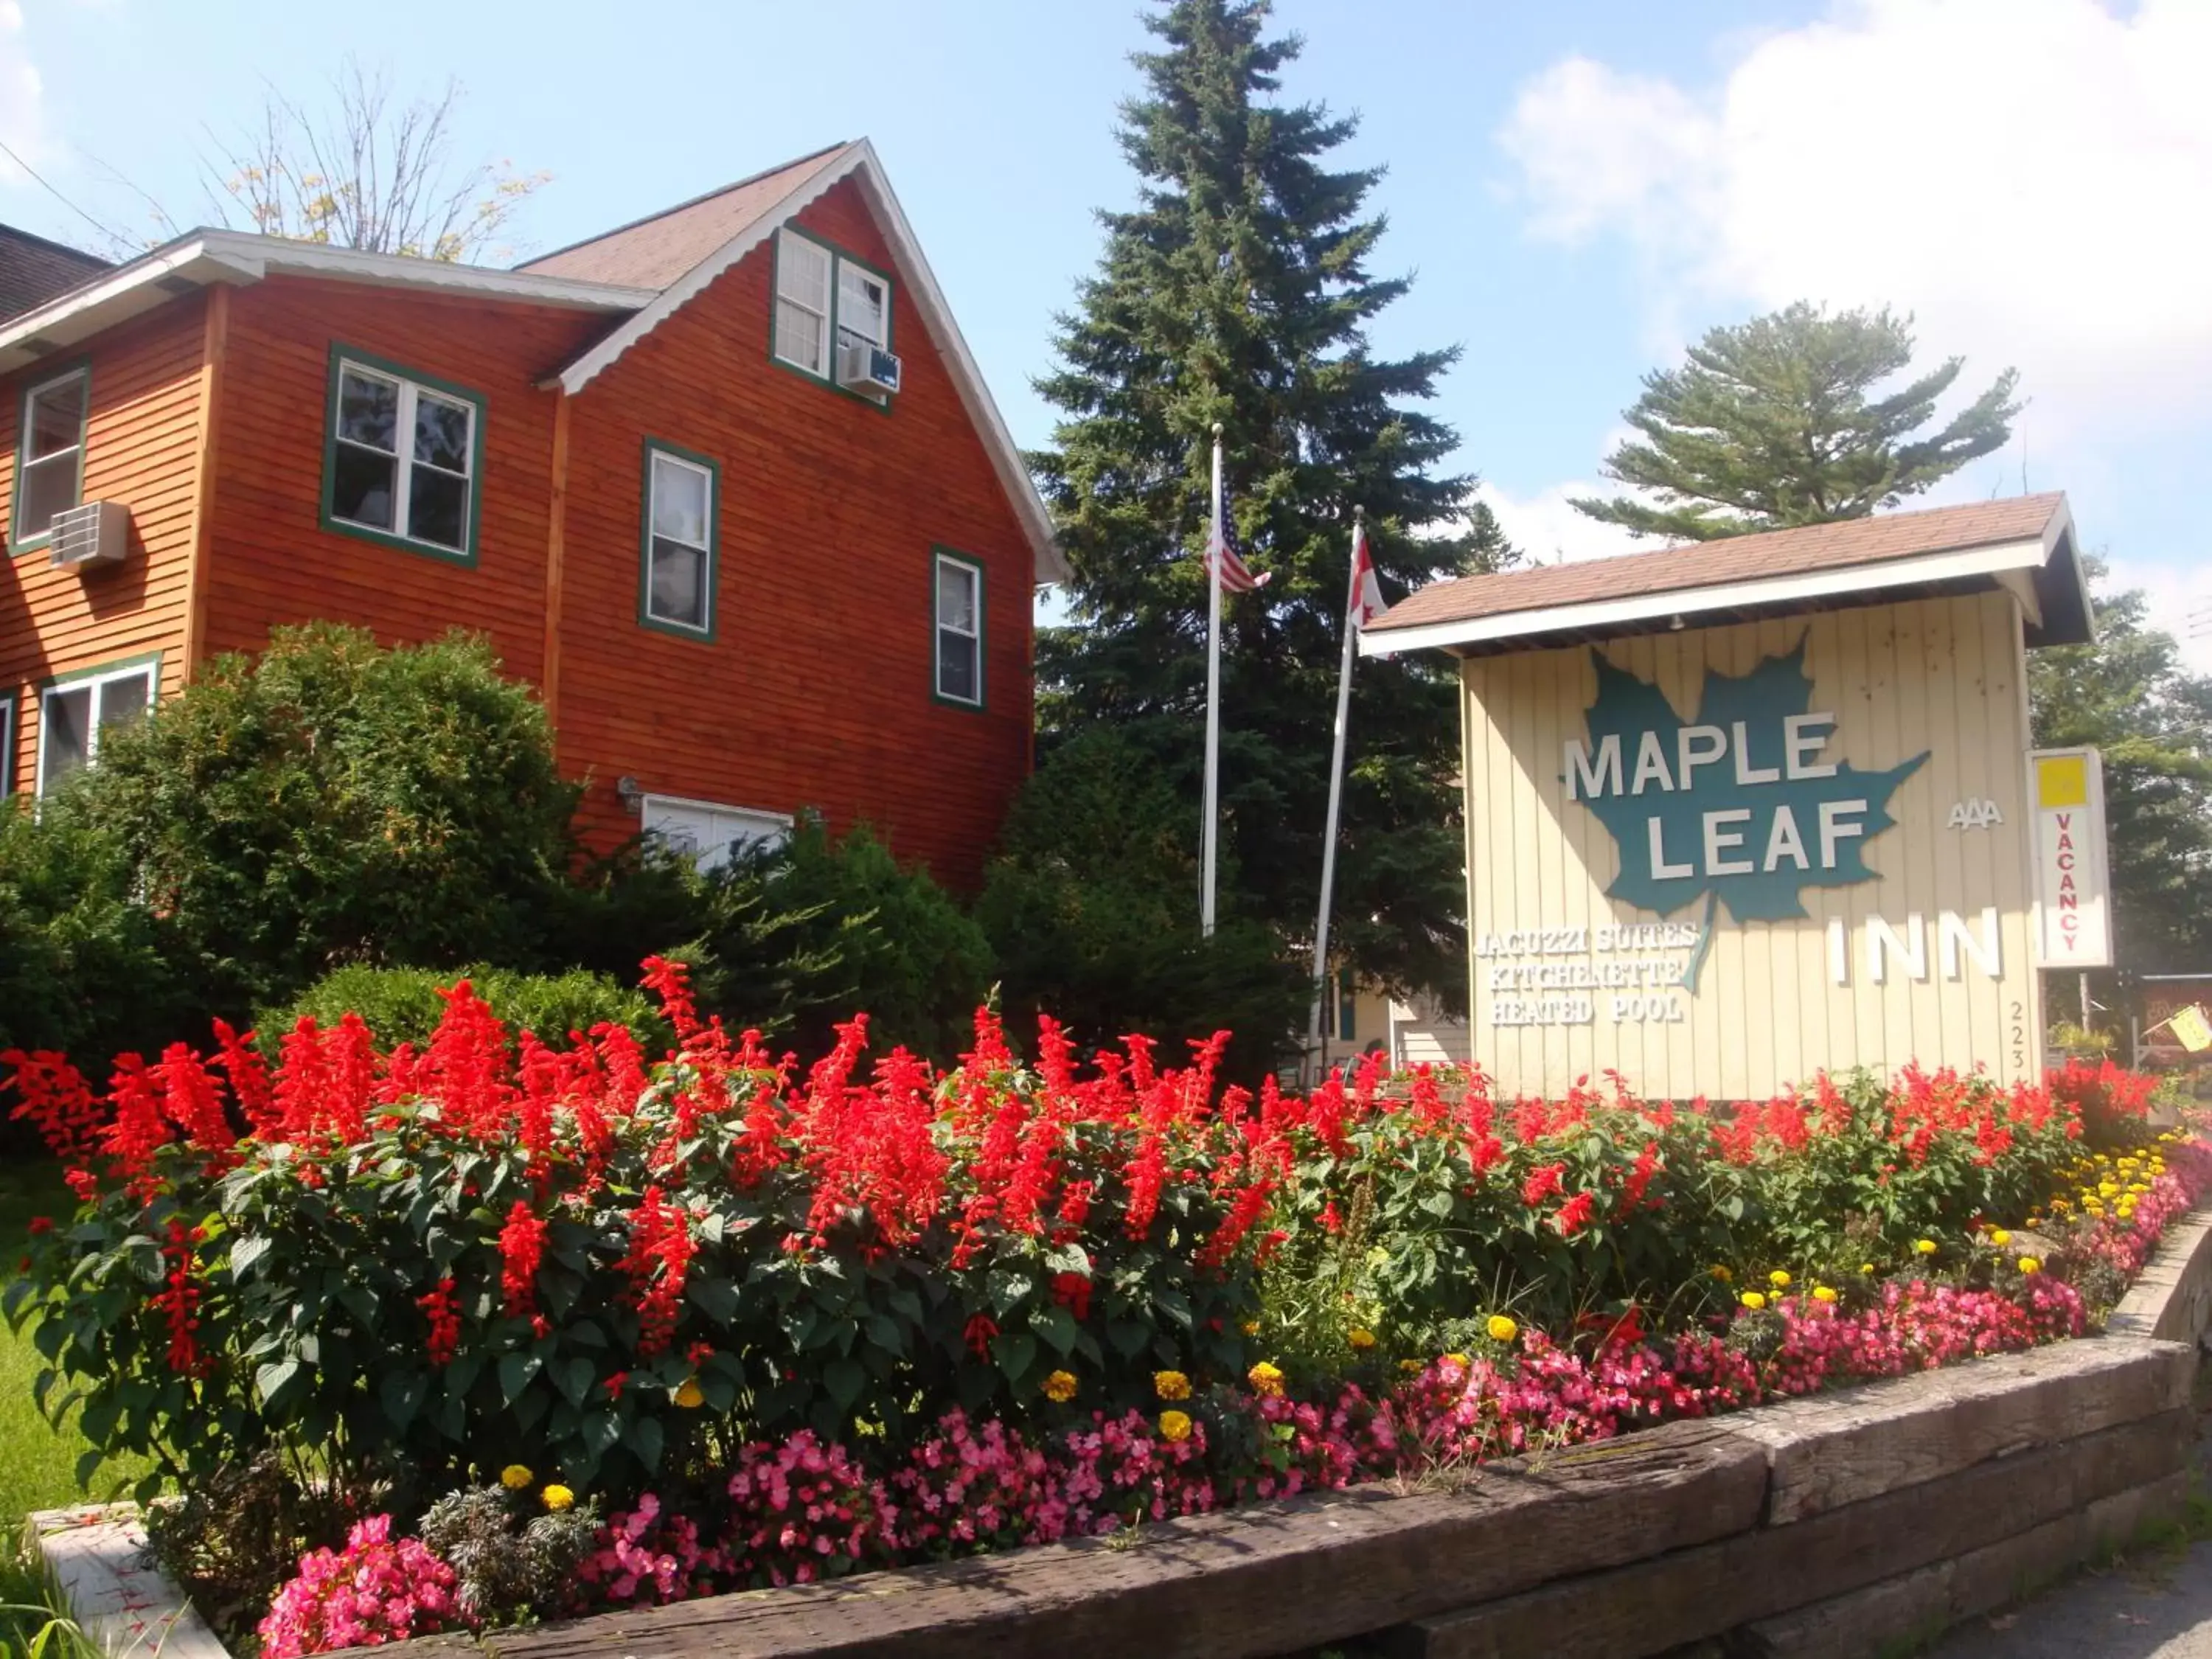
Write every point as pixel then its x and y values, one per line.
pixel 1238 291
pixel 1774 422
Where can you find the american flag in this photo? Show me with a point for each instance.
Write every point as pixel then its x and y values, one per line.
pixel 1237 576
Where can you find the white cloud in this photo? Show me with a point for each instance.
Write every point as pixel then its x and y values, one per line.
pixel 22 97
pixel 1548 530
pixel 2030 177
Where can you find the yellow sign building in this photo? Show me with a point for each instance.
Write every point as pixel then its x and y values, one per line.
pixel 1741 812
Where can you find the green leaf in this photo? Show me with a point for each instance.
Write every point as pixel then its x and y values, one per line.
pixel 1129 1337
pixel 573 1377
pixel 401 1395
pixel 1437 1203
pixel 713 1296
pixel 247 1250
pixel 1056 1325
pixel 844 1379
pixel 601 1430
pixel 646 1441
pixel 1015 1351
pixel 515 1370
pixel 275 1380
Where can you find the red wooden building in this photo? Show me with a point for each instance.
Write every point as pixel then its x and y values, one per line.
pixel 725 484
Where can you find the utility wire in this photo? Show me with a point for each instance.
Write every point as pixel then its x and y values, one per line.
pixel 38 179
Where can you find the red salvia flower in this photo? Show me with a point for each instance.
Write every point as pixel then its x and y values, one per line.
pixel 1575 1214
pixel 1543 1181
pixel 437 1306
pixel 248 1072
pixel 521 1250
pixel 53 1097
pixel 671 982
pixel 179 1303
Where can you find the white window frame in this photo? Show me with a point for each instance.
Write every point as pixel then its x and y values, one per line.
pixel 402 491
pixel 24 463
pixel 757 825
pixel 938 627
pixel 97 683
pixel 835 328
pixel 656 453
pixel 7 705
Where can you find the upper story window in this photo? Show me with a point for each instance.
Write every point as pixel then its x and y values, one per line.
pixel 404 458
pixel 677 586
pixel 959 630
pixel 50 460
pixel 73 715
pixel 823 299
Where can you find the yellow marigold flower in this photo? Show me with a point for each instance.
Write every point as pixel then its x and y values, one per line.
pixel 1866 1266
pixel 1754 1300
pixel 1266 1378
pixel 515 1477
pixel 2108 1189
pixel 2028 1264
pixel 1361 1338
pixel 558 1497
pixel 1174 1425
pixel 1060 1387
pixel 1924 1246
pixel 1409 1366
pixel 687 1395
pixel 1171 1385
pixel 1779 1279
pixel 1720 1272
pixel 1822 1293
pixel 1459 1360
pixel 1501 1329
pixel 1251 1328
pixel 2000 1237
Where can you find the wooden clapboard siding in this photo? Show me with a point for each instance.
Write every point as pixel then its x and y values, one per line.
pixel 141 448
pixel 270 559
pixel 816 690
pixel 1944 675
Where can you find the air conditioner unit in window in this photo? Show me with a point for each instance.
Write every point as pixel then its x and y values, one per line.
pixel 97 533
pixel 864 366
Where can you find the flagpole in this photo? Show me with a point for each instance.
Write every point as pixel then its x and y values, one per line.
pixel 1336 780
pixel 1207 828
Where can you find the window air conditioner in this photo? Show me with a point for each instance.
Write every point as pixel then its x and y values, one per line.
pixel 863 365
pixel 98 532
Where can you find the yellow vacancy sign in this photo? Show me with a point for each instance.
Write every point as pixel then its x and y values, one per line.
pixel 2194 1030
pixel 2061 780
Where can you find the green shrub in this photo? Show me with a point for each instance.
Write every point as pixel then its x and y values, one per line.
pixel 330 801
pixel 82 966
pixel 1091 908
pixel 403 1005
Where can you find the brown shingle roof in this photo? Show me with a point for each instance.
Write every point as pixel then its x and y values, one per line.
pixel 654 252
pixel 33 271
pixel 1735 559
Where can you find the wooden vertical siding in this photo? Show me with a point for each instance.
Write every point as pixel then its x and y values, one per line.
pixel 816 690
pixel 1944 675
pixel 270 559
pixel 142 444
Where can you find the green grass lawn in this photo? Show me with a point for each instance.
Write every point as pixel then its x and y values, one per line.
pixel 38 1466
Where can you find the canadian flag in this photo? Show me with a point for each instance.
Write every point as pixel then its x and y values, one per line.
pixel 1366 593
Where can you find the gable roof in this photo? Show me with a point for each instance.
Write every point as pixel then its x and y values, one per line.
pixel 33 270
pixel 2025 545
pixel 745 216
pixel 642 273
pixel 655 251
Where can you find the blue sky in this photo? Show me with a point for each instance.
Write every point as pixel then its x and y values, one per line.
pixel 1578 187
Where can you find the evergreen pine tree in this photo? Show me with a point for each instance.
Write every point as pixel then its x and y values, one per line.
pixel 1238 291
pixel 1772 424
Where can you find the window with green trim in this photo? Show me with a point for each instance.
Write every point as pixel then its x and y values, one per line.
pixel 402 457
pixel 50 462
pixel 74 713
pixel 825 299
pixel 959 630
pixel 679 541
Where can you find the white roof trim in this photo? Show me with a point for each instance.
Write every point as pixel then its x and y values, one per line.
pixel 1989 560
pixel 858 158
pixel 230 256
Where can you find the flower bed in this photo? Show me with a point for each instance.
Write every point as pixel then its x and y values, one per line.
pixel 719 1327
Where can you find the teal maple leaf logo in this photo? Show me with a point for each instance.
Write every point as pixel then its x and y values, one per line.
pixel 1739 806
